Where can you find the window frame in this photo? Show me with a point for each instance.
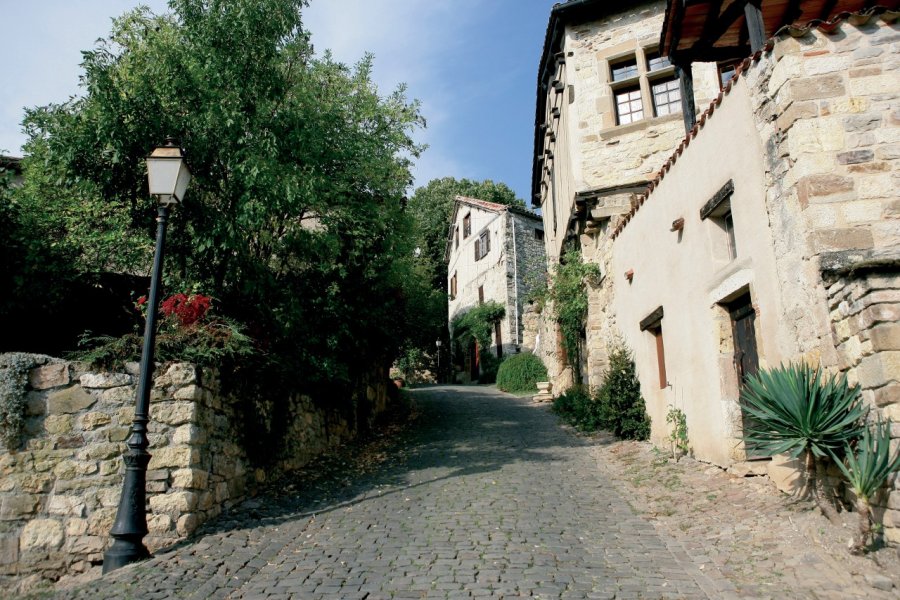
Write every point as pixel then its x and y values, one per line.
pixel 467 225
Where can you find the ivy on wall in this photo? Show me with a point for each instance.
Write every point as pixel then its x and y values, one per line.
pixel 568 298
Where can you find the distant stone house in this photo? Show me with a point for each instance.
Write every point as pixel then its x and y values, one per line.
pixel 733 168
pixel 13 166
pixel 494 252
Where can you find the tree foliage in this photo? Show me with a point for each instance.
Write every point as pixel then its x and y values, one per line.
pixel 568 294
pixel 294 220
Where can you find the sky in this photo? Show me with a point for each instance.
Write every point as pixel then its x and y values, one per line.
pixel 471 63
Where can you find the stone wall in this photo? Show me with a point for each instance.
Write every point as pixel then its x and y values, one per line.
pixel 526 269
pixel 60 489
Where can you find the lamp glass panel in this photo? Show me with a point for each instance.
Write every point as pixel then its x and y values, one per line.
pixel 162 175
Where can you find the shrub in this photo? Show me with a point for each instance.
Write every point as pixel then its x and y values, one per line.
pixel 867 470
pixel 520 373
pixel 621 407
pixel 577 407
pixel 489 365
pixel 794 409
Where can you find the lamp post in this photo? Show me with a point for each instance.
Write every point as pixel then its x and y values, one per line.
pixel 438 344
pixel 168 177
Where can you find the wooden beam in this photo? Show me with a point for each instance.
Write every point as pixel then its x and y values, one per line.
pixel 756 27
pixel 725 20
pixel 686 85
pixel 718 198
pixel 712 17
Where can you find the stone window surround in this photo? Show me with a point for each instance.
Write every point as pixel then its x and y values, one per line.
pixel 616 54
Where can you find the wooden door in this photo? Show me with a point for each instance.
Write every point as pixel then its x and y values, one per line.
pixel 743 327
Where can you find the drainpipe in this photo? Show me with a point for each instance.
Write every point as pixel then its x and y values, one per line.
pixel 515 278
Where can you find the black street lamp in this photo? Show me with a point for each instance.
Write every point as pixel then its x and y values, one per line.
pixel 168 176
pixel 437 343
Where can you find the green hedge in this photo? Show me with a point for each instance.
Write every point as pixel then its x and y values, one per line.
pixel 520 373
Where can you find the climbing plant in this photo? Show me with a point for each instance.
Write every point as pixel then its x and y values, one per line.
pixel 569 300
pixel 477 324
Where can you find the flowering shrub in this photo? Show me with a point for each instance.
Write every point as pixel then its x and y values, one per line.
pixel 189 332
pixel 187 309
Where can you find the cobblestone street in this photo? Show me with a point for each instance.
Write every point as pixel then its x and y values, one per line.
pixel 485 495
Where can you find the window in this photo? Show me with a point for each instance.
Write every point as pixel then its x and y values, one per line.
pixel 718 210
pixel 467 225
pixel 652 324
pixel 666 97
pixel 655 62
pixel 656 87
pixel 480 294
pixel 660 355
pixel 456 237
pixel 625 69
pixel 628 106
pixel 499 339
pixel 726 72
pixel 483 245
pixel 539 235
pixel 453 286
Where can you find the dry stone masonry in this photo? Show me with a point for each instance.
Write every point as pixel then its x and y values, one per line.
pixel 60 488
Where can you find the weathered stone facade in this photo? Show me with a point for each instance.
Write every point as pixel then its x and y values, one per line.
pixel 506 273
pixel 60 490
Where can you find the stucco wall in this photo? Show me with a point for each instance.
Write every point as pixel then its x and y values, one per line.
pixel 686 273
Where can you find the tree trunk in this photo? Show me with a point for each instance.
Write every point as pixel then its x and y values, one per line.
pixel 865 527
pixel 812 478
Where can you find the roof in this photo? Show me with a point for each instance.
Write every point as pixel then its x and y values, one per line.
pixel 494 207
pixel 12 163
pixel 574 11
pixel 716 29
pixel 794 30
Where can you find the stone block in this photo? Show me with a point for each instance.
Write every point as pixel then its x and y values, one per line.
pixel 105 380
pixel 189 392
pixel 35 483
pixel 886 336
pixel 93 420
pixel 159 524
pixel 43 534
pixel 187 524
pixel 100 521
pixel 877 185
pixel 853 157
pixel 177 375
pixel 819 135
pixel 117 434
pixel 175 413
pixel 18 506
pixel 173 502
pixel 9 549
pixel 66 506
pixel 787 474
pixel 69 441
pixel 816 87
pixel 69 400
pixel 49 376
pixel 862 122
pixel 196 479
pixel 885 83
pixel 125 415
pixel 861 211
pixel 86 544
pixel 76 527
pixel 35 404
pixel 189 434
pixel 819 187
pixel 841 239
pixel 879 369
pixel 102 451
pixel 124 395
pixel 58 424
pixel 888 394
pixel 174 457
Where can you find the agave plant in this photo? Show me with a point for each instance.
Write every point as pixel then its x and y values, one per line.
pixel 867 469
pixel 795 409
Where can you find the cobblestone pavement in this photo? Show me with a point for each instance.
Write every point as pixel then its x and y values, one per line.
pixel 484 496
pixel 767 544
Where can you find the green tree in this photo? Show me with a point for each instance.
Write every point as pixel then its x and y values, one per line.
pixel 294 220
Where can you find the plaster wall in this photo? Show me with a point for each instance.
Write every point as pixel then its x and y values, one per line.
pixel 488 273
pixel 690 275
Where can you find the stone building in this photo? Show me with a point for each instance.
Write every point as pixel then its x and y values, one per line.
pixel 494 252
pixel 753 221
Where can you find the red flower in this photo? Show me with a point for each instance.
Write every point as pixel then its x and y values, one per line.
pixel 142 300
pixel 188 309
